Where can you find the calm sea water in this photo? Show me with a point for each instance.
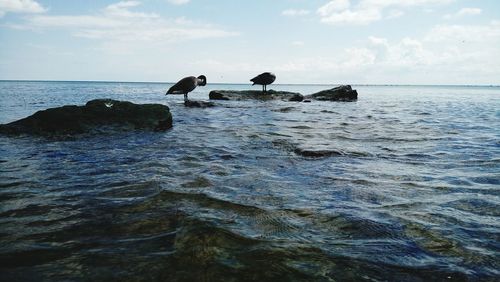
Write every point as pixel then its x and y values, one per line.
pixel 414 193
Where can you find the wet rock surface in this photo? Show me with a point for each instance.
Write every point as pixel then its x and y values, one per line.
pixel 343 93
pixel 95 114
pixel 198 104
pixel 253 95
pixel 317 153
pixel 339 93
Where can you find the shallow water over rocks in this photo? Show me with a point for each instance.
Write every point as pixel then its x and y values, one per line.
pixel 401 185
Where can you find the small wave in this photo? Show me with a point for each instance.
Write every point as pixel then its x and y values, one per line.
pixel 476 206
pixel 274 224
pixel 323 153
pixel 328 112
pixel 15 184
pixel 198 182
pixel 432 240
pixel 486 180
pixel 419 156
pixel 301 127
pixel 363 182
pixel 29 210
pixel 285 110
pixel 124 190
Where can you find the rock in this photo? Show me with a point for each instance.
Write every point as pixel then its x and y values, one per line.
pixel 217 95
pixel 253 95
pixel 111 114
pixel 339 93
pixel 198 104
pixel 317 153
pixel 296 98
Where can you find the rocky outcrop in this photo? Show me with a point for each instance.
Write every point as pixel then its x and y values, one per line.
pixel 339 93
pixel 254 95
pixel 110 114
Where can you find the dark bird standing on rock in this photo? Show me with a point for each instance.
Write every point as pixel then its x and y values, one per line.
pixel 264 79
pixel 186 85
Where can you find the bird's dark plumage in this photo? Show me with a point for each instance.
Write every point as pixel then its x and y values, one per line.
pixel 187 84
pixel 264 79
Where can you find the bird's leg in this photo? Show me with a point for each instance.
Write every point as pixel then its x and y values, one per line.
pixel 185 97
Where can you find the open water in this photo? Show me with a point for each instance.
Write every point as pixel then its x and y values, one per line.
pixel 410 191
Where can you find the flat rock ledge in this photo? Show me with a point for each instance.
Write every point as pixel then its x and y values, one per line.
pixel 96 115
pixel 343 93
pixel 239 95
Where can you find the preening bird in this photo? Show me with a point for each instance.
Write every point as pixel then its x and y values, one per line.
pixel 186 85
pixel 264 79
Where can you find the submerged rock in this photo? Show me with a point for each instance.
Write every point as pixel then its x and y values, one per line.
pixel 317 153
pixel 198 104
pixel 107 113
pixel 254 95
pixel 339 93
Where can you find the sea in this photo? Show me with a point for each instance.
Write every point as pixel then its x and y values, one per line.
pixel 410 190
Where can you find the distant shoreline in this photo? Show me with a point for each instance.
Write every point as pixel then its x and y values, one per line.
pixel 281 84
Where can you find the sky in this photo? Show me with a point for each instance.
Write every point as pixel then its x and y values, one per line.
pixel 230 41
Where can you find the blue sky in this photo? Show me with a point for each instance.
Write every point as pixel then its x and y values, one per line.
pixel 302 41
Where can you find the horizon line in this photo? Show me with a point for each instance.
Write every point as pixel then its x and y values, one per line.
pixel 240 83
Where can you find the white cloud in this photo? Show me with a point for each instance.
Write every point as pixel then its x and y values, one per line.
pixel 334 6
pixel 366 11
pixel 438 57
pixel 20 6
pixel 446 54
pixel 395 14
pixel 487 34
pixel 464 12
pixel 178 2
pixel 357 17
pixel 120 9
pixel 293 12
pixel 469 11
pixel 377 40
pixel 298 43
pixel 408 52
pixel 117 22
pixel 358 57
